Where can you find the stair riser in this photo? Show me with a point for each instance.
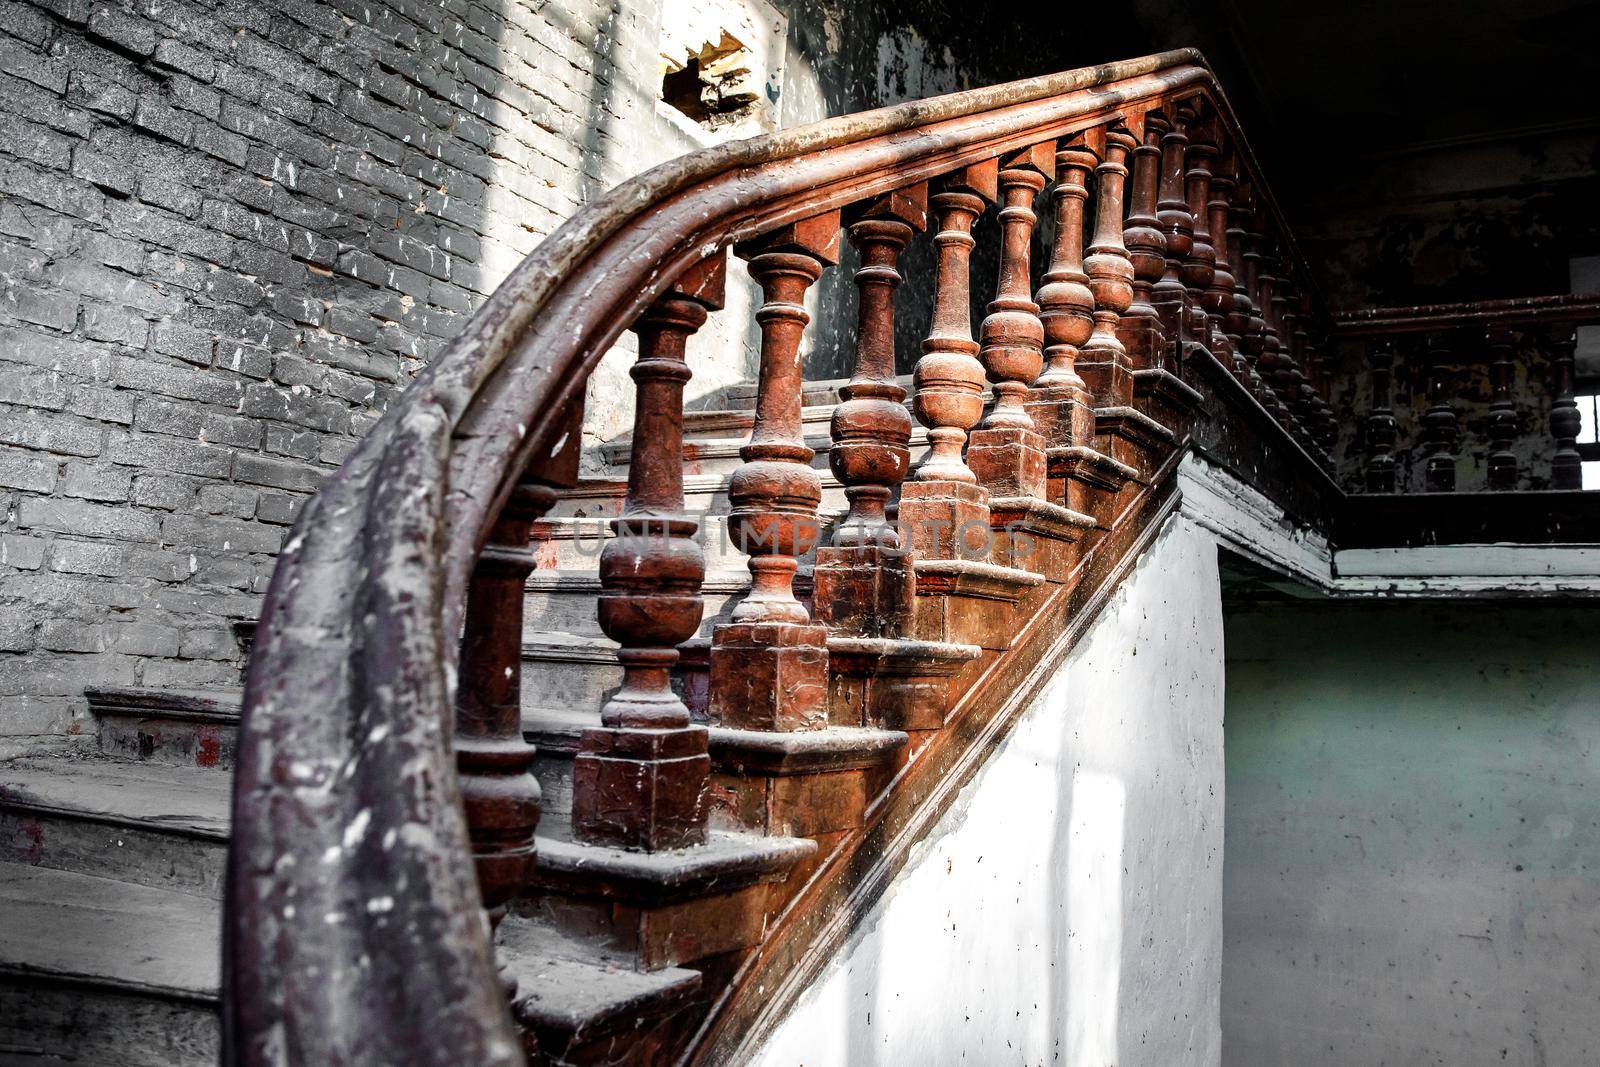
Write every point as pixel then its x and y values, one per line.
pixel 700 499
pixel 721 457
pixel 180 862
pixel 552 683
pixel 89 1025
pixel 573 611
pixel 175 742
pixel 575 546
pixel 554 771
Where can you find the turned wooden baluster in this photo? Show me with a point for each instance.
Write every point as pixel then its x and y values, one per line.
pixel 1326 431
pixel 1219 297
pixel 1566 466
pixel 1381 429
pixel 1103 361
pixel 1066 306
pixel 1012 333
pixel 871 427
pixel 1280 330
pixel 1066 303
pixel 1291 370
pixel 1142 236
pixel 1270 305
pixel 1170 293
pixel 949 378
pixel 1439 422
pixel 1006 452
pixel 639 780
pixel 769 665
pixel 943 500
pixel 1502 410
pixel 1242 314
pixel 862 583
pixel 775 494
pixel 494 765
pixel 1199 269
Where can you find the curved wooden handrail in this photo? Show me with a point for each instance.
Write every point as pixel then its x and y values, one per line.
pixel 352 931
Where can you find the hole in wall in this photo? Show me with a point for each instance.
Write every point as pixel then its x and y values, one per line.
pixel 714 85
pixel 721 67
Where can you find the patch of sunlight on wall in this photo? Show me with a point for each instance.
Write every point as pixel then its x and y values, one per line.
pixel 1094 894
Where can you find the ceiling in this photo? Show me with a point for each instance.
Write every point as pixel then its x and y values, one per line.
pixel 1364 76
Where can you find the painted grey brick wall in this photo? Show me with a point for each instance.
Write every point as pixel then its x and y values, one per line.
pixel 230 234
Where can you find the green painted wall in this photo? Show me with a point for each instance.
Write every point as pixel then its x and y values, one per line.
pixel 1412 857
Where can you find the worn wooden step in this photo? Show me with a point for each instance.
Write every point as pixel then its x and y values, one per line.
pixel 662 909
pixel 580 1002
pixel 185 727
pixel 743 764
pixel 99 971
pixel 143 823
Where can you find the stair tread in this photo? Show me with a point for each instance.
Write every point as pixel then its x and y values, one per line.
pixel 726 861
pixel 76 926
pixel 559 730
pixel 219 702
pixel 565 981
pixel 183 800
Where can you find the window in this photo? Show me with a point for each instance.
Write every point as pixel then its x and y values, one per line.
pixel 1589 438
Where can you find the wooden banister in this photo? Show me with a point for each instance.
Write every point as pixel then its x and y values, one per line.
pixel 354 925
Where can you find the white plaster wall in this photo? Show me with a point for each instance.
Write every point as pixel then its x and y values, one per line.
pixel 1067 909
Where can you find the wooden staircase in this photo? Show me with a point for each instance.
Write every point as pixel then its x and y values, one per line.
pixel 113 859
pixel 755 659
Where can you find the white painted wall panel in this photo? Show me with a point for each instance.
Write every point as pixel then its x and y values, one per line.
pixel 1067 909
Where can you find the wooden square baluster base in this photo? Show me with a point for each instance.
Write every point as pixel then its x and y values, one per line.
pixel 1110 381
pixel 945 520
pixel 770 676
pixel 641 789
pixel 1008 461
pixel 1064 416
pixel 863 590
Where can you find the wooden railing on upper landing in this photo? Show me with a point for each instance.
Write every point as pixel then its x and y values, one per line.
pixel 1517 355
pixel 355 929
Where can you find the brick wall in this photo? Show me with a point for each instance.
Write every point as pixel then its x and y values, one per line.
pixel 230 234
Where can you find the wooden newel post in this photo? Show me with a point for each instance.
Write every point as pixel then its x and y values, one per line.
pixel 1006 453
pixel 1439 421
pixel 1103 363
pixel 494 764
pixel 1502 461
pixel 942 500
pixel 769 665
pixel 862 583
pixel 639 779
pixel 1381 429
pixel 1566 466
